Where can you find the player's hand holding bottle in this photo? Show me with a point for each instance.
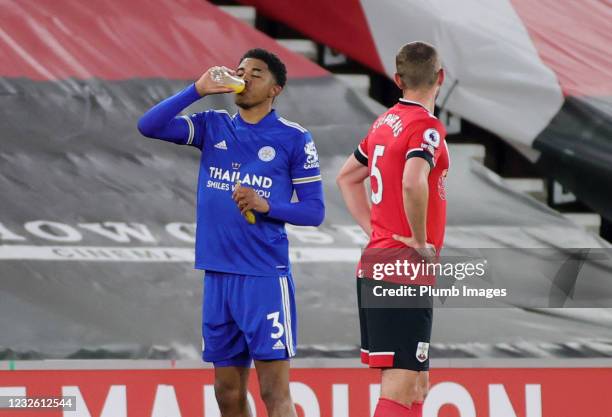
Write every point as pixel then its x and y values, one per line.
pixel 248 200
pixel 219 80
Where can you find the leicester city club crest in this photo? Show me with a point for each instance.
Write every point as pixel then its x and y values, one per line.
pixel 266 153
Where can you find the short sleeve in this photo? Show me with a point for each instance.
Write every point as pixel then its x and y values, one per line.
pixel 361 153
pixel 425 140
pixel 305 161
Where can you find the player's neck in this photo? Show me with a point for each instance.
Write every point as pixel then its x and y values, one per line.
pixel 427 100
pixel 254 114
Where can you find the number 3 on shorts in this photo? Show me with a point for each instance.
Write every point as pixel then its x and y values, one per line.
pixel 275 323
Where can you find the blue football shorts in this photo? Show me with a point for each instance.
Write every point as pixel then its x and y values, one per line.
pixel 247 317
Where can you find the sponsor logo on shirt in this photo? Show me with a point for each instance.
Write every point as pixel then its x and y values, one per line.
pixel 312 158
pixel 221 145
pixel 225 180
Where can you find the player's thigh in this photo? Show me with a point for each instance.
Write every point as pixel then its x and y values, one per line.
pixel 231 383
pixel 232 378
pixel 223 341
pixel 268 317
pixel 273 377
pixel 399 338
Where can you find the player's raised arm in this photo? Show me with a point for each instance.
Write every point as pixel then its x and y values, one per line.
pixel 351 181
pixel 162 122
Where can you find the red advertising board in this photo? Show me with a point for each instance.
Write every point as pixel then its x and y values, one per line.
pixel 329 392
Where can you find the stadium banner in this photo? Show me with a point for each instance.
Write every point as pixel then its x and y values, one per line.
pixel 322 392
pixel 550 54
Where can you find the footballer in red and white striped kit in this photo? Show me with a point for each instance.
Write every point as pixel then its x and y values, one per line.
pixel 406 158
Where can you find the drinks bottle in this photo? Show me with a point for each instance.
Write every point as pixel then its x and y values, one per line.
pixel 248 215
pixel 221 76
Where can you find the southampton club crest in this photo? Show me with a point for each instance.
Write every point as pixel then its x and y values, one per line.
pixel 422 352
pixel 312 158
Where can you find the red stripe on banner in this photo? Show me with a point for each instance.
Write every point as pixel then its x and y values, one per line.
pixel 111 39
pixel 340 24
pixel 521 392
pixel 573 38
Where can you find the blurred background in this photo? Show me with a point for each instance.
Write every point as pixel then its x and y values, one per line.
pixel 97 222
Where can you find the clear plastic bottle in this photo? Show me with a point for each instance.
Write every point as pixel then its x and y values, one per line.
pixel 221 76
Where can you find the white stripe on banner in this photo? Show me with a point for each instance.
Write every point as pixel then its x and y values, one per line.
pixel 502 83
pixel 157 254
pixel 285 288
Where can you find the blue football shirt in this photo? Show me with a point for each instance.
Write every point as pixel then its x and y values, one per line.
pixel 271 157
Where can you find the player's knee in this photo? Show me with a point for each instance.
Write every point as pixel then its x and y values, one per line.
pixel 405 393
pixel 273 395
pixel 230 396
pixel 422 394
pixel 425 390
pixel 422 387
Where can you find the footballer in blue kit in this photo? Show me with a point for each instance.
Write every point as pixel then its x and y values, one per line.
pixel 251 162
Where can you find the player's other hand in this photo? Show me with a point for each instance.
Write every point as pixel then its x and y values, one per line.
pixel 247 199
pixel 205 85
pixel 426 250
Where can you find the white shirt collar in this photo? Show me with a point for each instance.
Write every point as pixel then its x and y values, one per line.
pixel 403 100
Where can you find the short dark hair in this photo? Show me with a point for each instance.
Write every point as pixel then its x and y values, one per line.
pixel 275 65
pixel 417 64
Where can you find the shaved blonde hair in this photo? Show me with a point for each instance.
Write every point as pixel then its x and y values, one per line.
pixel 418 64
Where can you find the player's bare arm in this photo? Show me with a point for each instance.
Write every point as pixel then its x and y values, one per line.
pixel 415 191
pixel 351 181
